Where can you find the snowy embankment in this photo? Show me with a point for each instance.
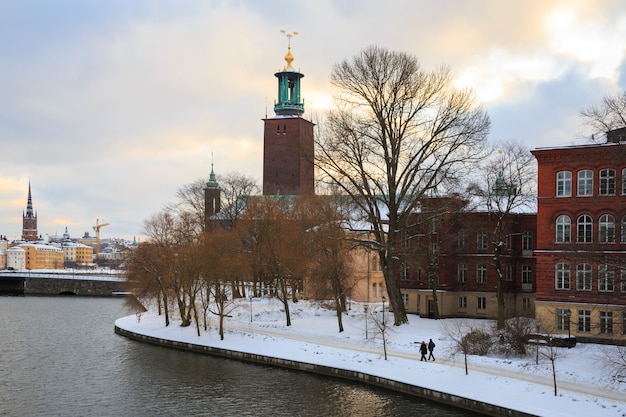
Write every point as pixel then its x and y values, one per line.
pixel 583 382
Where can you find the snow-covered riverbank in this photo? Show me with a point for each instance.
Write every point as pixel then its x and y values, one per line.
pixel 584 386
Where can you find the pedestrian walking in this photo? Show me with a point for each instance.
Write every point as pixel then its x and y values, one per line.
pixel 423 351
pixel 431 347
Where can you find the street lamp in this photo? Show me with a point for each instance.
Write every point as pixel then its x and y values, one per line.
pixel 249 288
pixel 383 297
pixel 365 308
pixel 568 314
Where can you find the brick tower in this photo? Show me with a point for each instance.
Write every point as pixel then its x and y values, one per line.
pixel 288 139
pixel 29 221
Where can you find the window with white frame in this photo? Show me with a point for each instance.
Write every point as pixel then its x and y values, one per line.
pixel 462 302
pixel 606 322
pixel 585 182
pixel 562 276
pixel 606 277
pixel 606 229
pixel 583 277
pixel 563 229
pixel 481 303
pixel 607 181
pixel 404 272
pixel 584 321
pixel 563 184
pixel 527 241
pixel 481 240
pixel 562 319
pixel 585 229
pixel 622 279
pixel 624 229
pixel 527 274
pixel 461 239
pixel 481 273
pixel 624 181
pixel 405 299
pixel 380 289
pixel 374 289
pixel 461 273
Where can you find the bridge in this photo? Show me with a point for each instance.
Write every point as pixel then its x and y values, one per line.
pixel 25 282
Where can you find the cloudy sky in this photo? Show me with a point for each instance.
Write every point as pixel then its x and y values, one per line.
pixel 107 107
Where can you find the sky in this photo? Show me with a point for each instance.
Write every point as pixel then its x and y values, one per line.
pixel 108 107
pixel 520 383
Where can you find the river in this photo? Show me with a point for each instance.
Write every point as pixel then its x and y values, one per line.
pixel 59 356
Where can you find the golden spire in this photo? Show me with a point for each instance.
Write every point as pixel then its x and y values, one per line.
pixel 289 56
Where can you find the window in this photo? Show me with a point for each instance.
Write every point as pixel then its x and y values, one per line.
pixel 624 181
pixel 606 322
pixel 481 273
pixel 584 321
pixel 404 237
pixel 624 323
pixel 563 184
pixel 508 272
pixel 606 277
pixel 462 302
pixel 585 182
pixel 526 304
pixel 606 229
pixel 380 289
pixel 623 280
pixel 481 240
pixel 607 182
pixel 563 229
pixel 562 319
pixel 481 303
pixel 461 273
pixel 404 272
pixel 527 241
pixel 585 228
pixel 562 277
pixel 405 298
pixel 461 239
pixel 583 277
pixel 624 229
pixel 527 274
pixel 374 290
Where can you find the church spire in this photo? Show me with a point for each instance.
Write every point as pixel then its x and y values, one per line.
pixel 29 220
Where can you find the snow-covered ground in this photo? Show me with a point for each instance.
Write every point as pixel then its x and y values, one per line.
pixel 583 381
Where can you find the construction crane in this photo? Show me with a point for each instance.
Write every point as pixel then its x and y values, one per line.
pixel 97 230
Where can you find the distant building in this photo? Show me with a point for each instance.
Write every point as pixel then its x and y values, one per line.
pixel 75 252
pixel 42 256
pixel 29 220
pixel 16 258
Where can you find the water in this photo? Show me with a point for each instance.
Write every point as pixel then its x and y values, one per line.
pixel 59 356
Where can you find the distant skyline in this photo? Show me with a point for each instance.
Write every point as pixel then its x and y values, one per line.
pixel 108 107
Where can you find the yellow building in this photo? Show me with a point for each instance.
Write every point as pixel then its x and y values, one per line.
pixel 41 256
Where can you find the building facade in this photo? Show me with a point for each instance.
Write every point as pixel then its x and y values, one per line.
pixel 581 240
pixel 447 264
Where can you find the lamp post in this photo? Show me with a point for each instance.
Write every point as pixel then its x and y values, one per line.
pixel 249 288
pixel 383 297
pixel 568 314
pixel 365 308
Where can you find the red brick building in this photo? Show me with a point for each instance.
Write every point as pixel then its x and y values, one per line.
pixel 450 247
pixel 581 239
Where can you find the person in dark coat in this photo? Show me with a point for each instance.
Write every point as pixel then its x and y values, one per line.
pixel 431 347
pixel 423 351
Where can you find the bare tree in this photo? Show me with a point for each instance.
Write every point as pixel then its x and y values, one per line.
pixel 236 191
pixel 467 339
pixel 608 115
pixel 508 186
pixel 397 133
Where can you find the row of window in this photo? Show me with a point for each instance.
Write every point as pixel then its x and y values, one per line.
pixel 585 182
pixel 584 229
pixel 606 275
pixel 583 319
pixel 481 273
